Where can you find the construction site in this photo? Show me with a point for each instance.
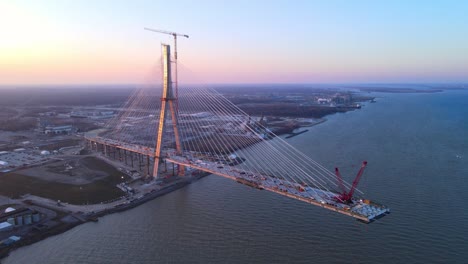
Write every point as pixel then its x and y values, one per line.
pixel 61 173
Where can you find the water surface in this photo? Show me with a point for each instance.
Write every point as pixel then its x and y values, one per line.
pixel 417 149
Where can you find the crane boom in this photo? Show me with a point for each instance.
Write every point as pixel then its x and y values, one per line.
pixel 347 196
pixel 356 180
pixel 174 34
pixel 167 32
pixel 340 180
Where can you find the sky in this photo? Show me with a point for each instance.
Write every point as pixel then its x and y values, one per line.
pixel 255 41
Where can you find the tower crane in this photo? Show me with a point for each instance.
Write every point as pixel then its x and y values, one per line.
pixel 175 35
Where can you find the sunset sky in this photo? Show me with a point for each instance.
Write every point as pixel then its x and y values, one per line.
pixel 100 42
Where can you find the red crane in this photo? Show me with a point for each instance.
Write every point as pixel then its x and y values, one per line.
pixel 344 196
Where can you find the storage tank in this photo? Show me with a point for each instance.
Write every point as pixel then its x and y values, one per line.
pixel 27 219
pixel 36 217
pixel 19 220
pixel 9 209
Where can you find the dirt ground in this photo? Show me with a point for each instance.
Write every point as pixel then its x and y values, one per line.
pixel 91 181
pixel 74 170
pixel 61 144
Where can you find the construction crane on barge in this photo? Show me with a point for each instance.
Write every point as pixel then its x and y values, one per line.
pixel 175 35
pixel 346 197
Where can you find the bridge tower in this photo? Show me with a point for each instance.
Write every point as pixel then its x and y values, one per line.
pixel 167 100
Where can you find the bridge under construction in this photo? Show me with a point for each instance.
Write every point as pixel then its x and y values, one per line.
pixel 197 129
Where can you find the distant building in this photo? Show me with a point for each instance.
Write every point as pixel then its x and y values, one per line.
pixel 341 99
pixel 79 114
pixel 323 101
pixel 67 129
pixel 48 114
pixel 63 116
pixel 19 149
pixel 45 127
pixel 92 114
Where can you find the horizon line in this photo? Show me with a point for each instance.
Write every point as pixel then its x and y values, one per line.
pixel 235 84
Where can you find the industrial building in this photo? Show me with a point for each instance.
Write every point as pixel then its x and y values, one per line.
pixel 92 114
pixel 18 217
pixel 54 130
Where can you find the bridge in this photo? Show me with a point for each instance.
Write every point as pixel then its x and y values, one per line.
pixel 198 129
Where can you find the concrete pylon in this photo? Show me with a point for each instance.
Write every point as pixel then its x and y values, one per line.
pixel 167 100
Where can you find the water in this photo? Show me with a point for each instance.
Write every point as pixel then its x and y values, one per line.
pixel 417 148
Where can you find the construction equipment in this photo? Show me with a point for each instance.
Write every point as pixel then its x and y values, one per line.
pixel 175 35
pixel 347 197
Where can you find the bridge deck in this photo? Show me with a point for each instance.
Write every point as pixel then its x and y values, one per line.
pixel 363 210
pixel 359 209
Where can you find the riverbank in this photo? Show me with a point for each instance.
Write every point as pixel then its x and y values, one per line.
pixel 293 134
pixel 41 234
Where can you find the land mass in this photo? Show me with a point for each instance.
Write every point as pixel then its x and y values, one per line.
pixel 53 183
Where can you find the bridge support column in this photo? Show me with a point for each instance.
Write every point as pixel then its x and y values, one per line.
pixel 140 163
pixel 148 164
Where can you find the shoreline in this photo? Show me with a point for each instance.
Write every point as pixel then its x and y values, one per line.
pixel 93 217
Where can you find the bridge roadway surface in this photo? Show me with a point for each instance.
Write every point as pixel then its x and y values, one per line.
pixel 359 209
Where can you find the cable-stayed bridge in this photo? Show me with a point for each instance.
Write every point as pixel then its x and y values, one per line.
pixel 200 130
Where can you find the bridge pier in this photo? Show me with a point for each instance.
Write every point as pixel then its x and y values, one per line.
pixel 140 163
pixel 148 164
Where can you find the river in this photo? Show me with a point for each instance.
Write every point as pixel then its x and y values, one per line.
pixel 417 149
